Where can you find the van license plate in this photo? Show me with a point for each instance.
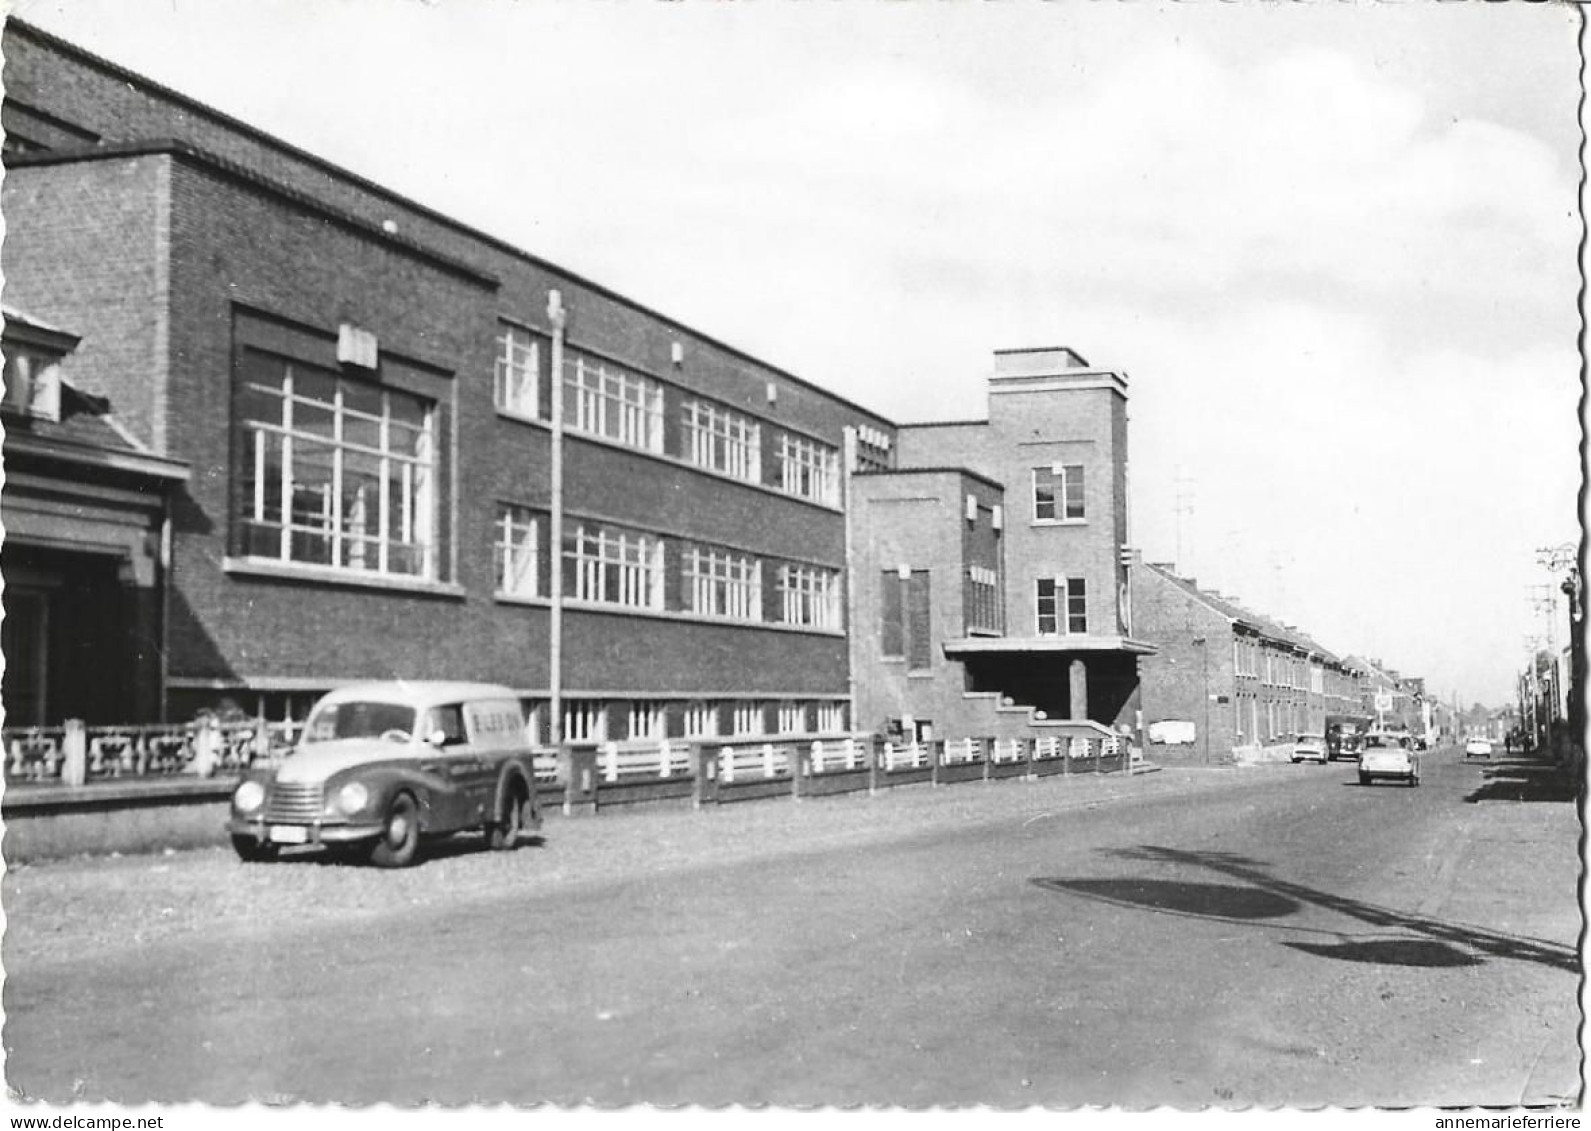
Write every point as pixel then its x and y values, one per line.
pixel 289 834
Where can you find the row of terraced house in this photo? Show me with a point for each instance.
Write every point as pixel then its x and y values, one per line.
pixel 272 428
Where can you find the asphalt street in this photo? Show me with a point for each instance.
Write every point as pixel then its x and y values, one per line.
pixel 1277 935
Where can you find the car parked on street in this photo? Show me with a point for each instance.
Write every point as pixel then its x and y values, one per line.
pixel 1478 747
pixel 380 766
pixel 1310 748
pixel 1390 756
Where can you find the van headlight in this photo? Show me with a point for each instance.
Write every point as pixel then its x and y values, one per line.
pixel 352 797
pixel 248 797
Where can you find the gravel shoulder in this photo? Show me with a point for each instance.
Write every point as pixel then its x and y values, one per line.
pixel 73 910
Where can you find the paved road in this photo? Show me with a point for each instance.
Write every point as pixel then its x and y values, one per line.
pixel 1278 935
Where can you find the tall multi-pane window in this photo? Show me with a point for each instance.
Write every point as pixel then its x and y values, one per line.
pixel 809 470
pixel 722 440
pixel 1062 606
pixel 701 720
pixel 1058 492
pixel 646 719
pixel 334 472
pixel 515 553
pixel 983 606
pixel 831 718
pixel 749 719
pixel 809 596
pixel 613 567
pixel 792 718
pixel 606 400
pixel 721 584
pixel 584 720
pixel 516 382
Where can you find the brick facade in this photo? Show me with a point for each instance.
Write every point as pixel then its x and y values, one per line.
pixel 181 245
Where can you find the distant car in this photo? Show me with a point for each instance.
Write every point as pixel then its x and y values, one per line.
pixel 1310 748
pixel 1388 756
pixel 1349 743
pixel 381 765
pixel 1478 748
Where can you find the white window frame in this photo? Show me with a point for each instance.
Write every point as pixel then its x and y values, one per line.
pixel 1058 479
pixel 517 551
pixel 516 377
pixel 1063 599
pixel 32 382
pixel 612 566
pixel 719 583
pixel 404 510
pixel 809 469
pixel 831 718
pixel 585 720
pixel 809 596
pixel 604 399
pixel 793 718
pixel 984 597
pixel 701 719
pixel 647 720
pixel 721 440
pixel 749 719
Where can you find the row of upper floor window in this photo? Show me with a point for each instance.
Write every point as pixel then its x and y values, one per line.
pixel 608 565
pixel 607 400
pixel 342 474
pixel 1252 658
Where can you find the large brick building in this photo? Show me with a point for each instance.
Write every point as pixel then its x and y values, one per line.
pixel 367 396
pixel 991 587
pixel 368 441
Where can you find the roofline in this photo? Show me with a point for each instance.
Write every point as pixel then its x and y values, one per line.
pixel 940 424
pixel 90 455
pixel 12 23
pixel 186 151
pixel 966 471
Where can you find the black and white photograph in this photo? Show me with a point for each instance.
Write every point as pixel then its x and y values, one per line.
pixel 643 559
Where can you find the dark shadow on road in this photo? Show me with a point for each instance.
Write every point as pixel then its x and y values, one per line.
pixel 442 848
pixel 1391 952
pixel 1455 944
pixel 1222 901
pixel 1526 778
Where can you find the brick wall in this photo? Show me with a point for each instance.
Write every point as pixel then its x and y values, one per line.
pixel 84 252
pixel 1177 682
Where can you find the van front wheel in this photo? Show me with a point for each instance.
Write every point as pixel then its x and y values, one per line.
pixel 400 834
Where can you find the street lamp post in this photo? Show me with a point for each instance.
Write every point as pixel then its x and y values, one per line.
pixel 1204 686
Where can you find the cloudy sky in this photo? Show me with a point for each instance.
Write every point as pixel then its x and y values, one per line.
pixel 1333 246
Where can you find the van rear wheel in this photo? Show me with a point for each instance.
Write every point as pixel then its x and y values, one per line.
pixel 503 833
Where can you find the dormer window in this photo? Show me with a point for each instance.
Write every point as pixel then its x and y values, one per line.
pixel 33 354
pixel 32 383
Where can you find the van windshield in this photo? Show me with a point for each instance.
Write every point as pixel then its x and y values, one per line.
pixel 358 720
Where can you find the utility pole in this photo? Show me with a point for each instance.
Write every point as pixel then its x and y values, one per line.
pixel 1563 563
pixel 558 317
pixel 1184 506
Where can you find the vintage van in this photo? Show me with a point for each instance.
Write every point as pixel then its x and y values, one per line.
pixel 379 766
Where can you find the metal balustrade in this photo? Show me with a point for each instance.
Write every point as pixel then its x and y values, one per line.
pixel 73 754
